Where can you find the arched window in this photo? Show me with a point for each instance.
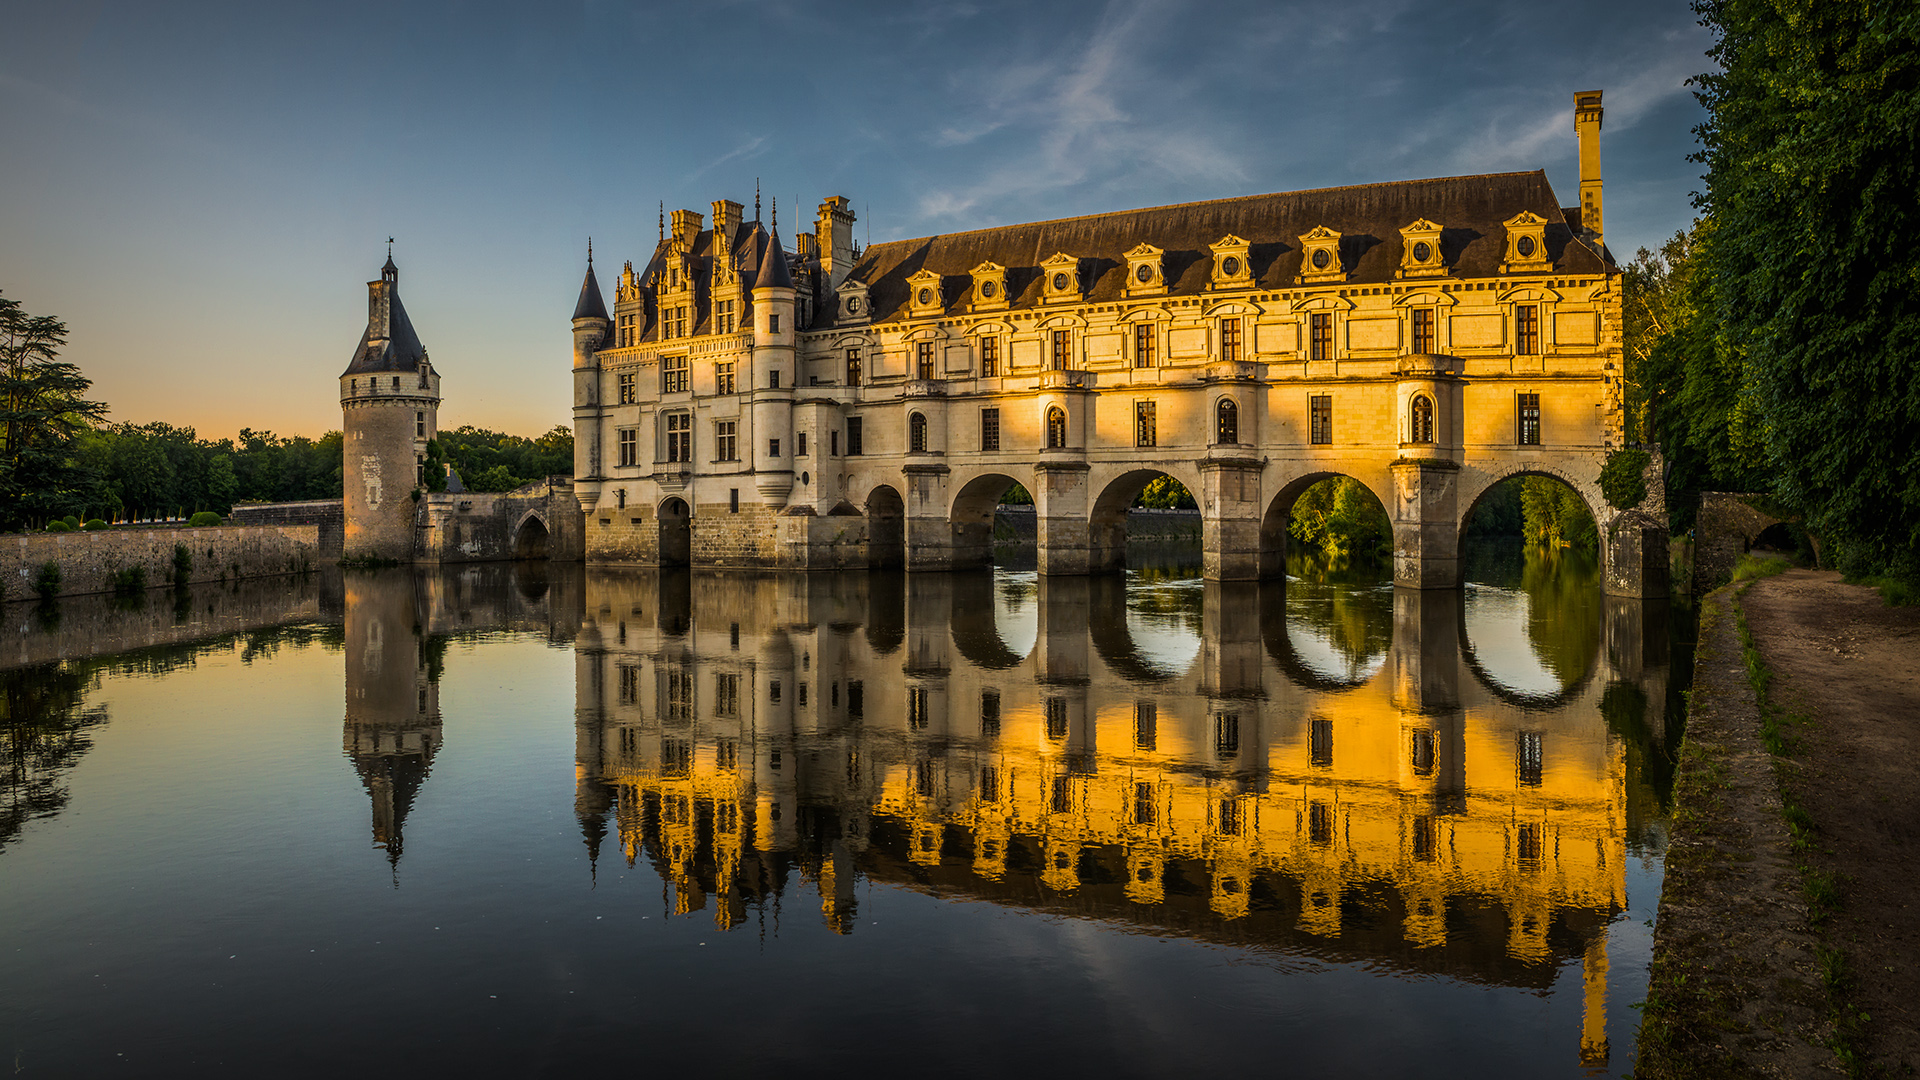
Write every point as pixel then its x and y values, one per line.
pixel 917 433
pixel 1056 427
pixel 1226 422
pixel 1420 427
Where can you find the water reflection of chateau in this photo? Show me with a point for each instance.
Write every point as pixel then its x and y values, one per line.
pixel 741 728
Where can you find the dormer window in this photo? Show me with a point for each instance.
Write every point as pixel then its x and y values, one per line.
pixel 1320 257
pixel 1060 278
pixel 989 287
pixel 1146 275
pixel 924 296
pixel 1526 244
pixel 1420 254
pixel 853 301
pixel 1232 269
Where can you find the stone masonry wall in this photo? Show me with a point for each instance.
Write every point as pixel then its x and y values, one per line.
pixel 1724 530
pixel 329 514
pixel 748 538
pixel 90 561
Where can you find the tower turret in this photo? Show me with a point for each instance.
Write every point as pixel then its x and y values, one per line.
pixel 592 331
pixel 389 403
pixel 773 374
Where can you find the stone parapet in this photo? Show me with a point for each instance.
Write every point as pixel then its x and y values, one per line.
pixel 93 562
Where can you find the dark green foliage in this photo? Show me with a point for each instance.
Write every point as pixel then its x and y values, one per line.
pixel 1343 519
pixel 436 466
pixel 1623 478
pixel 182 564
pixel 491 461
pixel 1166 493
pixel 58 526
pixel 1497 513
pixel 46 581
pixel 44 731
pixel 205 518
pixel 1812 149
pixel 129 581
pixel 42 413
pixel 94 525
pixel 1016 496
pixel 1555 515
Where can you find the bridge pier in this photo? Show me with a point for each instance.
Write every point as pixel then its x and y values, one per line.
pixel 1231 512
pixel 1426 529
pixel 1063 508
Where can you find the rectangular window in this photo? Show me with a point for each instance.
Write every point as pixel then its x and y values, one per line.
pixel 673 374
pixel 629 446
pixel 989 789
pixel 1526 329
pixel 733 507
pixel 1056 718
pixel 679 436
pixel 1229 339
pixel 1320 335
pixel 856 700
pixel 1062 350
pixel 800 444
pixel 723 377
pixel 1320 744
pixel 629 388
pixel 723 317
pixel 1145 430
pixel 1229 817
pixel 1420 751
pixel 1319 823
pixel 833 444
pixel 773 324
pixel 1426 837
pixel 1423 330
pixel 676 705
pixel 1226 734
pixel 773 448
pixel 853 436
pixel 1143 345
pixel 1320 419
pixel 989 429
pixel 419 425
pixel 773 691
pixel 1146 725
pixel 1530 757
pixel 773 380
pixel 629 684
pixel 1142 804
pixel 726 696
pixel 917 708
pixel 989 357
pixel 1062 794
pixel 1530 419
pixel 990 714
pixel 923 359
pixel 853 367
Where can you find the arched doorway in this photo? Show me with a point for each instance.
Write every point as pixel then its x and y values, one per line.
pixel 676 533
pixel 1168 522
pixel 886 529
pixel 532 541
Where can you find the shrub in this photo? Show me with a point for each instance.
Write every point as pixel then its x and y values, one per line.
pixel 94 525
pixel 203 519
pixel 72 522
pixel 58 527
pixel 130 581
pixel 182 564
pixel 47 581
pixel 1623 478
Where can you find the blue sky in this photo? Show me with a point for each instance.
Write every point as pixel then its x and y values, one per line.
pixel 202 190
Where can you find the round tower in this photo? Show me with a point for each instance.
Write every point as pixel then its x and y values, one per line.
pixel 389 401
pixel 773 375
pixel 592 331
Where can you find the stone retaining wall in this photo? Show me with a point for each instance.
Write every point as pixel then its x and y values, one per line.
pixel 329 514
pixel 90 562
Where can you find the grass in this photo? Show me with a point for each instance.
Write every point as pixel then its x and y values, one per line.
pixel 1897 592
pixel 1755 567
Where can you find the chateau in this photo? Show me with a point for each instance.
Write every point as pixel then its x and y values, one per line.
pixel 747 405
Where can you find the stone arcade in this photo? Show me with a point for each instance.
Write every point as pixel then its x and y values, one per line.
pixel 830 407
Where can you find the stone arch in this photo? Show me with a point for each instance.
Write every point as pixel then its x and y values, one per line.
pixel 531 537
pixel 886 528
pixel 675 542
pixel 1108 509
pixel 970 514
pixel 1485 480
pixel 1279 513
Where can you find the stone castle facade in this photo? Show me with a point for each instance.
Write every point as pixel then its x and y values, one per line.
pixel 746 405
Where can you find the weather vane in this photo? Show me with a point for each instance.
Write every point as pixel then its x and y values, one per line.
pixel 389 247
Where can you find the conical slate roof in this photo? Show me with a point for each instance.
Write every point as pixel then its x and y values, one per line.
pixel 591 305
pixel 773 268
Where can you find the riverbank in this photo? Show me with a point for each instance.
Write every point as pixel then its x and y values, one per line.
pixel 1785 945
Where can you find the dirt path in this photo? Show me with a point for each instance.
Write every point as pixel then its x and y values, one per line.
pixel 1852 665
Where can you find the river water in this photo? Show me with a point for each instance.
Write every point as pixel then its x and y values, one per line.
pixel 532 822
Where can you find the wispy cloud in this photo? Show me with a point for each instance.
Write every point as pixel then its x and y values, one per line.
pixel 753 147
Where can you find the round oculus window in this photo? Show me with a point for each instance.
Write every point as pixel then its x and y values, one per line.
pixel 926 296
pixel 1230 266
pixel 1422 251
pixel 853 305
pixel 988 288
pixel 1143 273
pixel 1524 246
pixel 1321 259
pixel 1059 283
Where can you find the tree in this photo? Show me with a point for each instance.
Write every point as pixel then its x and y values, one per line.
pixel 1812 148
pixel 42 413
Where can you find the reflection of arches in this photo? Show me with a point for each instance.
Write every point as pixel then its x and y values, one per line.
pixel 676 533
pixel 975 630
pixel 531 539
pixel 1282 603
pixel 1113 639
pixel 1420 420
pixel 1226 422
pixel 1056 427
pixel 886 529
pixel 886 612
pixel 917 433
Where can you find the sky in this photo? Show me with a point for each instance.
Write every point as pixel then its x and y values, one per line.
pixel 201 191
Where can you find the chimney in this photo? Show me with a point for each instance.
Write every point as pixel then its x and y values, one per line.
pixel 726 218
pixel 379 310
pixel 835 236
pixel 686 227
pixel 1586 124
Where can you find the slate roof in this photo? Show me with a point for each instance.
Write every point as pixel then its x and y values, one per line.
pixel 394 347
pixel 1470 210
pixel 592 305
pixel 773 268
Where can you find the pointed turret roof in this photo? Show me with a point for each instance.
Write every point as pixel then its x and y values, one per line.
pixel 773 267
pixel 389 343
pixel 591 305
